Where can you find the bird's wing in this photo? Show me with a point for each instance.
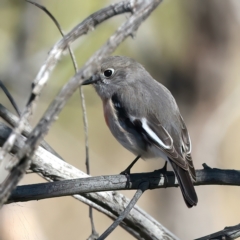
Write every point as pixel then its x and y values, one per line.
pixel 154 133
pixel 161 138
pixel 179 153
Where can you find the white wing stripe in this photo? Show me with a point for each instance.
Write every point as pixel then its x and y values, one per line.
pixel 153 134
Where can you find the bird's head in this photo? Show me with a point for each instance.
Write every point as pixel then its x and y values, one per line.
pixel 116 73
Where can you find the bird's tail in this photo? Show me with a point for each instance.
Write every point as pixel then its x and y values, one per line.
pixel 186 185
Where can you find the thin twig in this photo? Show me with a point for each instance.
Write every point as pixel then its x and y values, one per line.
pixel 142 188
pixel 10 98
pixel 83 105
pixel 94 233
pixel 109 214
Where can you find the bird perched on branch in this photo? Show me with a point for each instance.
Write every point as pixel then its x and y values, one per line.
pixel 143 116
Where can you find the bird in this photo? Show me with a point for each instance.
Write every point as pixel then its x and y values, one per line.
pixel 143 116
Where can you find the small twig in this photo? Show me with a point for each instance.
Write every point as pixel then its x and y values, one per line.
pixel 49 14
pixel 91 204
pixel 11 99
pixel 142 188
pixel 94 233
pixel 228 233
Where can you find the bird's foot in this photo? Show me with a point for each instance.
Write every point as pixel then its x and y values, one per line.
pixel 126 172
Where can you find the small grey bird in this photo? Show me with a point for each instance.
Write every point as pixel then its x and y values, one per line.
pixel 143 116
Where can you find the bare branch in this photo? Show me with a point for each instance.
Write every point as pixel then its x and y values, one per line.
pixel 50 167
pixel 12 120
pixel 54 55
pixel 142 10
pixel 210 176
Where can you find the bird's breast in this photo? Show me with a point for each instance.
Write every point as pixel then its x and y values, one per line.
pixel 107 111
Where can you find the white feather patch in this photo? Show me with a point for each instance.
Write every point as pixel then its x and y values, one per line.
pixel 151 133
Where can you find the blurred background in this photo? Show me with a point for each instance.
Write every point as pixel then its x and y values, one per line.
pixel 192 47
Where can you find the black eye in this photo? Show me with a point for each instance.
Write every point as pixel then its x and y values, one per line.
pixel 109 72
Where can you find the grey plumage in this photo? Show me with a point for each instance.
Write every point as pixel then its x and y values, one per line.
pixel 144 117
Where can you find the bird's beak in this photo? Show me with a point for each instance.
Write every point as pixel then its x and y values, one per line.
pixel 91 80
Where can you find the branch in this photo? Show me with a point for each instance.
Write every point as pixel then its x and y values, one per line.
pixel 210 176
pixel 228 233
pixel 13 120
pixel 94 233
pixel 55 54
pixel 138 223
pixel 142 9
pixel 41 79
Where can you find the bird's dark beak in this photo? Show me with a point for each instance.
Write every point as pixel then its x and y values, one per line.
pixel 91 80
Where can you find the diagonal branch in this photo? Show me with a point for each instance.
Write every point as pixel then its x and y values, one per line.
pixel 142 9
pixel 54 55
pixel 142 188
pixel 12 120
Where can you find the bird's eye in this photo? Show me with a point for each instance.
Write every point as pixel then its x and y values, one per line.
pixel 109 72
